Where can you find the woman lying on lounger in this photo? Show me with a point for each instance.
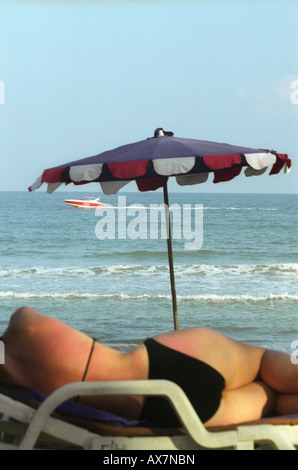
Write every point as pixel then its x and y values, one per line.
pixel 225 380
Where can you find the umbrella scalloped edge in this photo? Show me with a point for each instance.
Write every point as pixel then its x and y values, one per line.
pixel 150 174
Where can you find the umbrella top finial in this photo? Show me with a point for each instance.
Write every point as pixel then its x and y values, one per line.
pixel 159 132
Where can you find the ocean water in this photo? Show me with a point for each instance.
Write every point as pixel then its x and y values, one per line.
pixel 241 281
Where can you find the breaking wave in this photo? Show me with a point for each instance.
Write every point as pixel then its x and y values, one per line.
pixel 126 297
pixel 290 269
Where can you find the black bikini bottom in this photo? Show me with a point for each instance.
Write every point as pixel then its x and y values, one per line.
pixel 202 384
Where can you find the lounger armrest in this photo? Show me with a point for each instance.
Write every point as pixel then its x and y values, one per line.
pixel 164 388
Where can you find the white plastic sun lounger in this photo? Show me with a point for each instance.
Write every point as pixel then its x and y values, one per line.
pixel 25 428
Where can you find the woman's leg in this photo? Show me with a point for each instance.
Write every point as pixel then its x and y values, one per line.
pixel 248 403
pixel 278 371
pixel 275 394
pixel 255 378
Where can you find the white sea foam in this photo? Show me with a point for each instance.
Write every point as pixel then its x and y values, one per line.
pixel 290 269
pixel 126 297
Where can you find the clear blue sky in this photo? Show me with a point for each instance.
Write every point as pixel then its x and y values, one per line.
pixel 81 77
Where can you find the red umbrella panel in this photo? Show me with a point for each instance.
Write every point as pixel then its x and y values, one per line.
pixel 152 161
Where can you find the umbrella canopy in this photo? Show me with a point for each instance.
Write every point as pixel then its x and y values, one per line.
pixel 152 161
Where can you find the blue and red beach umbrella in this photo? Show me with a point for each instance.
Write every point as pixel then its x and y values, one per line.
pixel 149 162
pixel 152 161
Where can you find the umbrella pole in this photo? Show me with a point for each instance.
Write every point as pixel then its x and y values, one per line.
pixel 170 254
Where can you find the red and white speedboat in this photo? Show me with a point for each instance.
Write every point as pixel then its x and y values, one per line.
pixel 85 203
